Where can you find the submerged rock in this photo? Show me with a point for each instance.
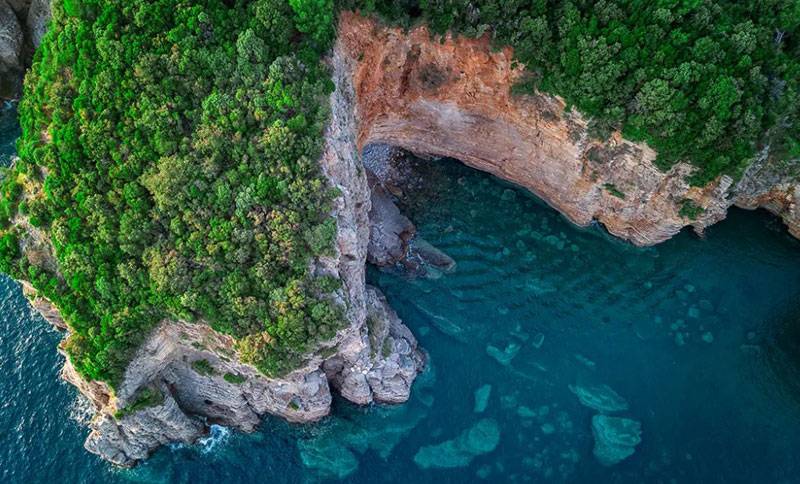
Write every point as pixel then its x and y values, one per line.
pixel 481 438
pixel 599 397
pixel 482 395
pixel 615 438
pixel 504 356
pixel 328 458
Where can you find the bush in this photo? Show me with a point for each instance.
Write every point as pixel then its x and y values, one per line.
pixel 612 189
pixel 203 367
pixel 234 378
pixel 147 397
pixel 689 209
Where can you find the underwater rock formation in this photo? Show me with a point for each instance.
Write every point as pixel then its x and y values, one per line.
pixel 599 397
pixel 615 438
pixel 482 395
pixel 479 439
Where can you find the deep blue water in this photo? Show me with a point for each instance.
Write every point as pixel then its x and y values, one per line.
pixel 700 337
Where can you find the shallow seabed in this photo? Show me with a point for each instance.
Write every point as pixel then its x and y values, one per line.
pixel 697 340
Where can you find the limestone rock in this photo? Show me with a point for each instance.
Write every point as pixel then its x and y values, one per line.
pixel 132 438
pixel 36 22
pixel 383 367
pixel 390 230
pixel 10 38
pixel 615 438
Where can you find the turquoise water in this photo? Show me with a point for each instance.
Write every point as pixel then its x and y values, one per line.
pixel 701 338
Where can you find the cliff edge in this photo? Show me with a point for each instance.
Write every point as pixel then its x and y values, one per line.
pixel 452 97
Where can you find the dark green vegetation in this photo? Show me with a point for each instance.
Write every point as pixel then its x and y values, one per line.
pixel 169 150
pixel 690 210
pixel 203 367
pixel 612 189
pixel 234 378
pixel 706 81
pixel 147 397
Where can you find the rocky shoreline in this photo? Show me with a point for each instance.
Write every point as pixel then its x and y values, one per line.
pixel 449 98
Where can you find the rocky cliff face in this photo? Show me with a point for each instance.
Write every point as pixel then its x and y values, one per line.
pixel 22 25
pixel 452 97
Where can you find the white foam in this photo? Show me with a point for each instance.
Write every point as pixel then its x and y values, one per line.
pixel 217 435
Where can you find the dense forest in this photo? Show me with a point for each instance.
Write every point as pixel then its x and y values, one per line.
pixel 169 147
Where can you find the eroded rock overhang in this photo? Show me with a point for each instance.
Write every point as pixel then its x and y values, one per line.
pixel 452 97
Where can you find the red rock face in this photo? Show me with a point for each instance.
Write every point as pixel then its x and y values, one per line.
pixel 452 97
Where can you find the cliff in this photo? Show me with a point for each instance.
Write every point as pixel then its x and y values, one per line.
pixel 22 25
pixel 452 97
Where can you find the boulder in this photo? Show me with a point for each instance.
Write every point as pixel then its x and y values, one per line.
pixel 389 230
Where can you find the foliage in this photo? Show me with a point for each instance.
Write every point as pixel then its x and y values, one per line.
pixel 690 210
pixel 203 367
pixel 612 189
pixel 234 378
pixel 704 81
pixel 170 150
pixel 147 397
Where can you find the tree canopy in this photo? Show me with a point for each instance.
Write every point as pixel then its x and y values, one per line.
pixel 170 151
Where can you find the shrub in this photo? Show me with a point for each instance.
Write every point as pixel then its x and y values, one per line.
pixel 689 209
pixel 147 397
pixel 203 367
pixel 612 189
pixel 234 378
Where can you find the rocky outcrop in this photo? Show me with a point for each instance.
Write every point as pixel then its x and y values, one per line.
pixel 199 382
pixel 187 376
pixel 452 97
pixel 22 25
pixel 390 230
pixel 381 366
